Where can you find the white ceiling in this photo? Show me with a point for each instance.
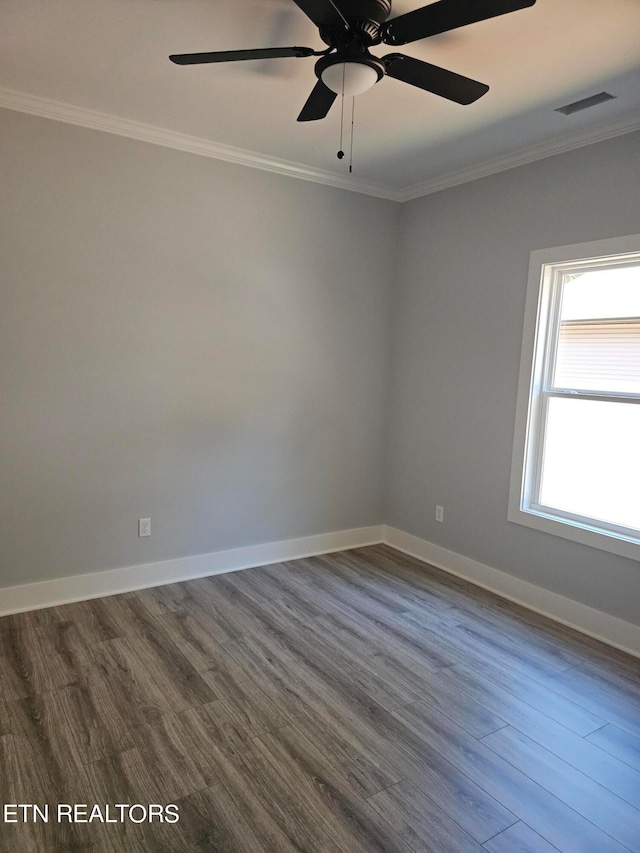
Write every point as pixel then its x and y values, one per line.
pixel 111 56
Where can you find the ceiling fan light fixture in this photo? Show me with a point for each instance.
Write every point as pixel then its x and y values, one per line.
pixel 347 67
pixel 350 78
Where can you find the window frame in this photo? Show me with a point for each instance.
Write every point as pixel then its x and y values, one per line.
pixel 546 269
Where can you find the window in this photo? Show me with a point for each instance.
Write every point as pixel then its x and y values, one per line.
pixel 576 454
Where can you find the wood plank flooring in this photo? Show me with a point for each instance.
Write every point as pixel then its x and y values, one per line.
pixel 355 702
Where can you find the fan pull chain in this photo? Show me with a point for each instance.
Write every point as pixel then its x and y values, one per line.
pixel 353 112
pixel 341 152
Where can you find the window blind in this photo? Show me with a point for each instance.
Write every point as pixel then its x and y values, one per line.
pixel 599 355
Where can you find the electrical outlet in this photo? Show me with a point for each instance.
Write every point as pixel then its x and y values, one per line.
pixel 144 527
pixel 439 513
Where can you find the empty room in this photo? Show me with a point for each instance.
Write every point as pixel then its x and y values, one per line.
pixel 320 426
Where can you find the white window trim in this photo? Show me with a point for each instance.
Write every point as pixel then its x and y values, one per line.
pixel 537 309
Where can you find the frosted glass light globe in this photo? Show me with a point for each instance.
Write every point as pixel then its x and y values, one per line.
pixel 357 77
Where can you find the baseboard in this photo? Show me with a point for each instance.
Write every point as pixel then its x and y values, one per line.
pixel 602 626
pixel 35 596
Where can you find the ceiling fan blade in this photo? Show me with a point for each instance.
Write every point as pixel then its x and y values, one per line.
pixel 318 103
pixel 323 13
pixel 235 55
pixel 446 15
pixel 434 79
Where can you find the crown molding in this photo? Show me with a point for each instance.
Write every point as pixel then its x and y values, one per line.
pixel 58 111
pixel 530 154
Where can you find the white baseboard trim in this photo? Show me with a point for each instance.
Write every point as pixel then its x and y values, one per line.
pixel 35 596
pixel 602 626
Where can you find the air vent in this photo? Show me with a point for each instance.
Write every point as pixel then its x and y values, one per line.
pixel 585 103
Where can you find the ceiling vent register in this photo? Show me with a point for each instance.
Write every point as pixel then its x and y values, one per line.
pixel 585 103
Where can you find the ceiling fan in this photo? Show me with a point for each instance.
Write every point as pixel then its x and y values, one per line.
pixel 351 27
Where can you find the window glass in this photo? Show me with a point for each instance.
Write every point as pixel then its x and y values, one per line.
pixel 591 464
pixel 599 336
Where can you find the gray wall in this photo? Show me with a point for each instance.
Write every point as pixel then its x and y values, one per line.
pixel 210 346
pixel 201 343
pixel 458 330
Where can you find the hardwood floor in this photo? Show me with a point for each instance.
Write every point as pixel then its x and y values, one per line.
pixel 355 702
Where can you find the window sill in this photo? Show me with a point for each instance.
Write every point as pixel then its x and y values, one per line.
pixel 585 534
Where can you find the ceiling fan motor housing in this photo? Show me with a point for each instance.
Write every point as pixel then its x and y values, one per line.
pixel 365 19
